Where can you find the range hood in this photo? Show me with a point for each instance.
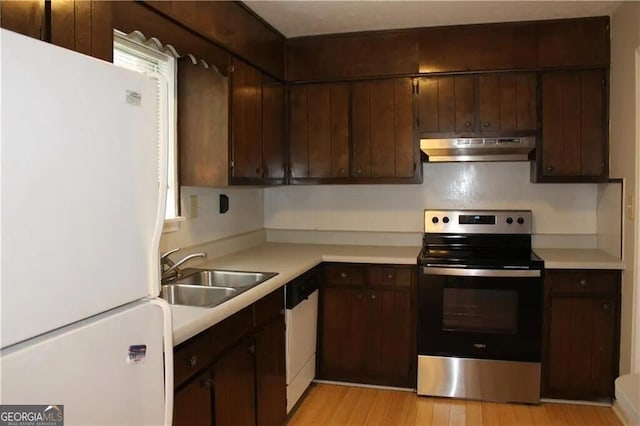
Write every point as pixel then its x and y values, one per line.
pixel 478 149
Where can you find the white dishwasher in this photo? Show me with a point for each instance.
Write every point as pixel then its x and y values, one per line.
pixel 301 317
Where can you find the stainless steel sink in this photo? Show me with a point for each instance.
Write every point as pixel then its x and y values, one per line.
pixel 218 278
pixel 196 295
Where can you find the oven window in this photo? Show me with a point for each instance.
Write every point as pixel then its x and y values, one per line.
pixel 484 311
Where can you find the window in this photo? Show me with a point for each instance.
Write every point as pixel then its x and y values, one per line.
pixel 136 56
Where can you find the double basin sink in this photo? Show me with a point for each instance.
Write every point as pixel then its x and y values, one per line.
pixel 210 287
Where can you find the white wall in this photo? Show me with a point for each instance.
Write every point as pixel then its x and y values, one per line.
pixel 625 39
pixel 557 208
pixel 246 213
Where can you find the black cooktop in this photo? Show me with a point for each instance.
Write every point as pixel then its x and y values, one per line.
pixel 479 251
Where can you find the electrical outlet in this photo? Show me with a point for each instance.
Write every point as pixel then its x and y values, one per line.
pixel 193 207
pixel 629 207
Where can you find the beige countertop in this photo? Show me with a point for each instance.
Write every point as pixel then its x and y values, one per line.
pixel 289 261
pixel 578 259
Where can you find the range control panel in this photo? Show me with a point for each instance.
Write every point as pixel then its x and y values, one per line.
pixel 477 221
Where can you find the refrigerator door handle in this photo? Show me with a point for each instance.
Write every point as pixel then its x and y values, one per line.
pixel 163 171
pixel 168 359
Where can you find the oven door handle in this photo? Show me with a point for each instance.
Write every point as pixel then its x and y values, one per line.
pixel 463 272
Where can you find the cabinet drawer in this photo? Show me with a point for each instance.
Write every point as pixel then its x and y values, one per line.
pixel 269 307
pixel 232 329
pixel 191 356
pixel 595 281
pixel 584 281
pixel 389 276
pixel 344 275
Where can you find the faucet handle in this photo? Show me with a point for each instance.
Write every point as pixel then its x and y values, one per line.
pixel 164 256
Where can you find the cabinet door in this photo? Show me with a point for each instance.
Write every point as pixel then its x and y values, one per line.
pixel 446 106
pixel 574 140
pixel 24 17
pixel 192 403
pixel 384 139
pixel 579 360
pixel 202 125
pixel 273 128
pixel 343 333
pixel 319 130
pixel 83 26
pixel 507 104
pixel 271 376
pixel 246 121
pixel 234 386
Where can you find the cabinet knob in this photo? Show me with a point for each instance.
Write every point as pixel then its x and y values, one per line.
pixel 606 306
pixel 549 168
pixel 208 383
pixel 193 361
pixel 390 276
pixel 342 171
pixel 359 296
pixel 373 297
pixel 359 171
pixel 252 348
pixel 486 124
pixel 343 275
pixel 467 124
pixel 583 283
pixel 258 171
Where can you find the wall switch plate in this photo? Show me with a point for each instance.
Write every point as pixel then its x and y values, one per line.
pixel 193 206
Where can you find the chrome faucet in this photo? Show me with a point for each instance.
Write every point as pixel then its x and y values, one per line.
pixel 170 269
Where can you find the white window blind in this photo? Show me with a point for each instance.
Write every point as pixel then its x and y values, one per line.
pixel 144 59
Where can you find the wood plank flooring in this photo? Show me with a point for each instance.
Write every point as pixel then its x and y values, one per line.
pixel 346 405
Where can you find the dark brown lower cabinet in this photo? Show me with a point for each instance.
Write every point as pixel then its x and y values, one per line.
pixel 234 373
pixel 192 403
pixel 580 358
pixel 271 383
pixel 234 388
pixel 368 326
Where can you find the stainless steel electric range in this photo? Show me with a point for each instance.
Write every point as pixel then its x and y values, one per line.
pixel 479 307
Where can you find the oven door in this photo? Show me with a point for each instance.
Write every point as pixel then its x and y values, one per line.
pixel 480 313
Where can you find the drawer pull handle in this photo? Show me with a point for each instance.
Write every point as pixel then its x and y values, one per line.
pixel 605 306
pixel 583 283
pixel 193 360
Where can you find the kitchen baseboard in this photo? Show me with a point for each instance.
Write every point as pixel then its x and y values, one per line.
pixel 575 402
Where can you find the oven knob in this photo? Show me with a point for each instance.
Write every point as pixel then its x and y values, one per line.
pixel 520 221
pixel 434 220
pixel 445 219
pixel 509 220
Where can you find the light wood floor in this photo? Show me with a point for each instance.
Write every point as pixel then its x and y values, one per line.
pixel 345 405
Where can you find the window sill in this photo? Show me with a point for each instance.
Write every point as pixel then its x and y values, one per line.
pixel 172 225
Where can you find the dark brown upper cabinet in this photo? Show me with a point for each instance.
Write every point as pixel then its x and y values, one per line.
pixel 257 127
pixel 319 131
pixel 202 125
pixel 504 46
pixel 246 121
pixel 574 143
pixel 273 130
pixel 233 26
pixel 574 43
pixel 384 138
pixel 486 105
pixel 360 132
pixel 83 26
pixel 24 17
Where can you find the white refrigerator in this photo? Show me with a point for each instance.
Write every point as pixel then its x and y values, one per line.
pixel 82 196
